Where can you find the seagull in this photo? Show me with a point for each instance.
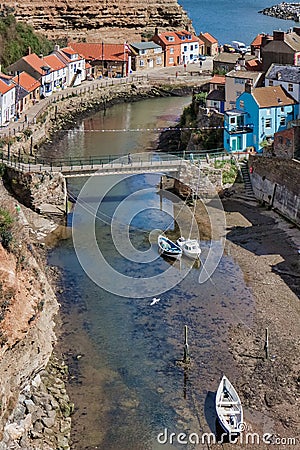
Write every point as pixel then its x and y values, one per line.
pixel 154 301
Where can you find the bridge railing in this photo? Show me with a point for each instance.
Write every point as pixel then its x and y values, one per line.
pixel 39 164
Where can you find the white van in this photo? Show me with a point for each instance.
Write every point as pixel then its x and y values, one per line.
pixel 240 47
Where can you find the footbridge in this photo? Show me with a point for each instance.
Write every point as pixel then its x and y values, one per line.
pixel 155 162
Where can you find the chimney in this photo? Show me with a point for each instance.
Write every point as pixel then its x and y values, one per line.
pixel 56 47
pixel 41 56
pixel 296 30
pixel 249 86
pixel 156 32
pixel 278 75
pixel 278 35
pixel 29 50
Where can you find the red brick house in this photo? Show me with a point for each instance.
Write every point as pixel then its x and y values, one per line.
pixel 179 47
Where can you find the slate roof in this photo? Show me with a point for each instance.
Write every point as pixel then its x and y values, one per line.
pixel 216 94
pixel 270 96
pixel 281 72
pixel 145 45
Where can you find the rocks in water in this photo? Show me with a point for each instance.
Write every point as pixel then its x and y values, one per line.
pixel 286 11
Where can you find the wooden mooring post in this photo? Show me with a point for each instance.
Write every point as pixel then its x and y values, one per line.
pixel 267 343
pixel 186 356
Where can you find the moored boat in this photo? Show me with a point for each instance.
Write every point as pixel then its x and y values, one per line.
pixel 168 247
pixel 190 247
pixel 229 408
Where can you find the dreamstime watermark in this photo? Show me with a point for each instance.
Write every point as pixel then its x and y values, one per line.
pixel 98 267
pixel 244 438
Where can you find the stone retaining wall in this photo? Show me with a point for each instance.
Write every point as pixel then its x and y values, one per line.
pixel 275 182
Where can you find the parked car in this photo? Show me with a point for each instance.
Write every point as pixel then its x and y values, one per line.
pixel 228 48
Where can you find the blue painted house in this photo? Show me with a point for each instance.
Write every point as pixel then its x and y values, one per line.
pixel 259 113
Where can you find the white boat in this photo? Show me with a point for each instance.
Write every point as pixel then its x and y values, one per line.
pixel 190 247
pixel 229 408
pixel 168 247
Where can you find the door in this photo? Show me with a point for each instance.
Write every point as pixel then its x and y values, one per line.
pixel 150 63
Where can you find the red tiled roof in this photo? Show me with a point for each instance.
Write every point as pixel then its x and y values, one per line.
pixel 210 38
pixel 254 64
pixel 176 35
pixel 220 79
pixel 99 51
pixel 69 50
pixel 54 62
pixel 258 39
pixel 35 62
pixel 5 87
pixel 26 81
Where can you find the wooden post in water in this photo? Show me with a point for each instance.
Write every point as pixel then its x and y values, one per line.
pixel 267 343
pixel 186 356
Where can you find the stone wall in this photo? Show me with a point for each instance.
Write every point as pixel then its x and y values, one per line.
pixel 206 182
pixel 99 20
pixel 275 182
pixel 41 192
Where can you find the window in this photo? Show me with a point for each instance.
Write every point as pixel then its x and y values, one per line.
pixel 171 50
pixel 157 50
pixel 282 121
pixel 142 52
pixel 270 82
pixel 268 112
pixel 142 63
pixel 196 46
pixel 185 48
pixel 242 105
pixel 290 87
pixel 232 120
pixel 158 61
pixel 192 48
pixel 268 123
pixel 171 60
pixel 170 38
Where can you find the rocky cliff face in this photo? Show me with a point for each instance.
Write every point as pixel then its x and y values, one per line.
pixel 96 20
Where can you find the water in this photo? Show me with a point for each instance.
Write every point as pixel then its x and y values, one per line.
pixel 236 20
pixel 121 351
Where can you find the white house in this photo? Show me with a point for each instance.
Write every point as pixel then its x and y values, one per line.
pixel 55 76
pixel 74 62
pixel 7 102
pixel 286 76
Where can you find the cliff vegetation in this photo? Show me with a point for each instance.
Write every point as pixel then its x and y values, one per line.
pixel 17 37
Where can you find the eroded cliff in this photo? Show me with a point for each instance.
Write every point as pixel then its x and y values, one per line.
pixel 95 20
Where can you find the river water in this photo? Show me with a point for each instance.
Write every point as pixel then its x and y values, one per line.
pixel 125 380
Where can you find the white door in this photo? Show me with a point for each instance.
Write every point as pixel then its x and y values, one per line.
pixel 150 63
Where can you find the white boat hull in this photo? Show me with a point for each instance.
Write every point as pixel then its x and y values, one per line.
pixel 229 408
pixel 190 247
pixel 168 248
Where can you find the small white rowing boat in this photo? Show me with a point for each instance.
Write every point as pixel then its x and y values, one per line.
pixel 229 408
pixel 168 247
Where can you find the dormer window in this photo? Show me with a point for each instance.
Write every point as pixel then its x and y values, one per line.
pixel 170 38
